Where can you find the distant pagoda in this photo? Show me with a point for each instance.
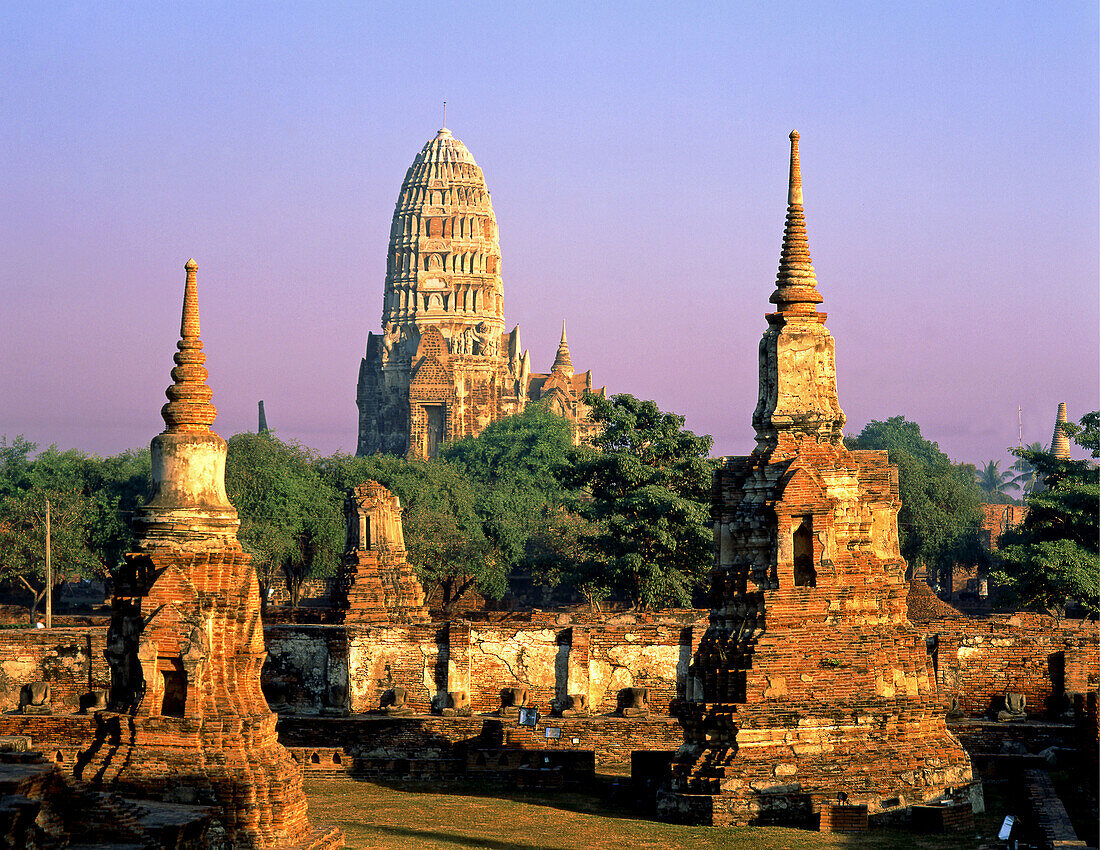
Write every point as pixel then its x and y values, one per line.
pixel 444 366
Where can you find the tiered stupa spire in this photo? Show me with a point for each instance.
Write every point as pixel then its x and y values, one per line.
pixel 1059 442
pixel 798 396
pixel 189 407
pixel 189 506
pixel 796 283
pixel 563 362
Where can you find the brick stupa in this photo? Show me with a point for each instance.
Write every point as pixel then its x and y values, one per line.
pixel 187 720
pixel 810 688
pixel 376 584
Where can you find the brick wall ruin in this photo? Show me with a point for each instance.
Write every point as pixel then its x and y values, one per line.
pixel 552 655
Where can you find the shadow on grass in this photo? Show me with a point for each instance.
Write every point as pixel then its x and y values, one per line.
pixel 595 800
pixel 421 835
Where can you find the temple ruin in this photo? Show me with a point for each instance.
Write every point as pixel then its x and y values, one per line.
pixel 820 688
pixel 186 718
pixel 810 688
pixel 444 366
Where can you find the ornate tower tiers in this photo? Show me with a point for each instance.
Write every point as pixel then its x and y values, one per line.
pixel 444 367
pixel 187 720
pixel 810 687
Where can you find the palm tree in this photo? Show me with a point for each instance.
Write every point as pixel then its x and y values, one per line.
pixel 1026 477
pixel 993 481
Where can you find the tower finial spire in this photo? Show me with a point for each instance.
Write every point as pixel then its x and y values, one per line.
pixel 444 115
pixel 794 192
pixel 189 407
pixel 563 362
pixel 796 284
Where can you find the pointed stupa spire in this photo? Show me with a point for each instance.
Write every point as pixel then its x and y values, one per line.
pixel 796 283
pixel 563 362
pixel 189 407
pixel 798 396
pixel 1059 443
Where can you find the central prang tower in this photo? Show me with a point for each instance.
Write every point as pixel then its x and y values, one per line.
pixel 810 689
pixel 444 367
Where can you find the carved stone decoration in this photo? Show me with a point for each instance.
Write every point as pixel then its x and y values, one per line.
pixel 395 703
pixel 35 698
pixel 812 683
pixel 1014 709
pixel 486 340
pixel 93 701
pixel 634 702
pixel 512 699
pixel 574 705
pixel 458 704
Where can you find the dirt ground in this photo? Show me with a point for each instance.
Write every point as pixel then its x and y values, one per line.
pixel 383 817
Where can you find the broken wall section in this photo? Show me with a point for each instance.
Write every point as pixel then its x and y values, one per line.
pixel 70 660
pixel 552 655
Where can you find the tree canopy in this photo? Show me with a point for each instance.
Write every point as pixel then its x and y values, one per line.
pixel 91 501
pixel 291 524
pixel 995 483
pixel 940 502
pixel 1053 558
pixel 645 482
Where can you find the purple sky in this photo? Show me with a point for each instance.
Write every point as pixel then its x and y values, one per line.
pixel 637 159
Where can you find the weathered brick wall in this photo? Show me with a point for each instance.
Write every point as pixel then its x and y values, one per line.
pixel 70 659
pixel 979 660
pixel 550 654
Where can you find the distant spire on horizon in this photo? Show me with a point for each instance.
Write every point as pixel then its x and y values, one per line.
pixel 1059 442
pixel 563 362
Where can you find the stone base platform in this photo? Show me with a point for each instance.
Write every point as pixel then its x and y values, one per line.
pixel 782 765
pixel 65 756
pixel 361 738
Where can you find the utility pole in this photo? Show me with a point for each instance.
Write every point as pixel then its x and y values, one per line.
pixel 49 572
pixel 1020 420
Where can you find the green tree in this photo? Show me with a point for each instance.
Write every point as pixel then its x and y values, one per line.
pixel 646 485
pixel 291 522
pixel 995 483
pixel 26 486
pixel 940 502
pixel 1053 558
pixel 1026 474
pixel 515 464
pixel 117 486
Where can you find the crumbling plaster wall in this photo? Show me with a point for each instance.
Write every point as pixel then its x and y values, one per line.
pixel 552 655
pixel 69 659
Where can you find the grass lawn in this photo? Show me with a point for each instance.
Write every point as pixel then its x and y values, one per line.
pixel 464 815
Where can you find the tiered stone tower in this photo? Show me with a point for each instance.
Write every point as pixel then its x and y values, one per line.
pixel 810 686
pixel 444 366
pixel 1059 441
pixel 376 584
pixel 188 722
